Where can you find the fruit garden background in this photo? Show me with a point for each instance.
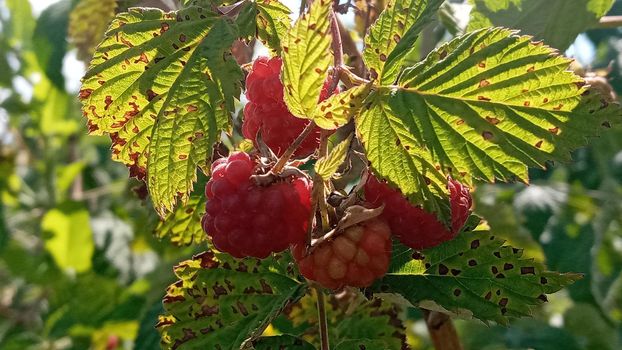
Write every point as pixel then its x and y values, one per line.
pixel 412 128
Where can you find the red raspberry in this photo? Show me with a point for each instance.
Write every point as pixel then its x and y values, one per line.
pixel 266 110
pixel 245 219
pixel 412 225
pixel 356 258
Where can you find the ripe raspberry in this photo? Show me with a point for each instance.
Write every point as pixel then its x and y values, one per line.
pixel 245 219
pixel 356 258
pixel 412 225
pixel 266 110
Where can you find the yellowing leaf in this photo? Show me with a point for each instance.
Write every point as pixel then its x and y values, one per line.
pixel 338 109
pixel 162 85
pixel 327 166
pixel 306 58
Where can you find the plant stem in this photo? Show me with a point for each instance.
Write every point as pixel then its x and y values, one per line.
pixel 337 47
pixel 321 313
pixel 610 22
pixel 292 148
pixel 442 331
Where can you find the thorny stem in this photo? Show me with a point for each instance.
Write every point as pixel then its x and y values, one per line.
pixel 292 148
pixel 442 331
pixel 321 311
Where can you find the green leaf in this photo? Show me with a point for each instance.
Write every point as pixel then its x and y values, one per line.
pixel 557 22
pixel 273 23
pixel 183 226
pixel 396 155
pixel 220 302
pixel 68 236
pixel 49 40
pixel 338 109
pixel 306 60
pixel 162 85
pixel 389 46
pixel 88 22
pixel 489 104
pixel 282 342
pixel 473 275
pixel 327 166
pixel 374 324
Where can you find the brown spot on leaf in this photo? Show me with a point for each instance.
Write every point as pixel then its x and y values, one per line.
pixel 242 308
pixel 503 302
pixel 483 98
pixel 539 144
pixel 383 57
pixel 531 69
pixel 442 269
pixel 482 64
pixel 493 120
pixel 475 244
pixel 108 102
pixel 182 38
pixel 192 108
pixel 483 83
pixel 527 270
pixel 487 135
pixel 554 130
pixel 85 93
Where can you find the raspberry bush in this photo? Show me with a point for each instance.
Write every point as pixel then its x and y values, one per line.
pixel 347 173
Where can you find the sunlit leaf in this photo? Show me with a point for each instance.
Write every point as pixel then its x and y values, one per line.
pixel 306 58
pixel 162 85
pixel 273 23
pixel 183 226
pixel 489 104
pixel 389 45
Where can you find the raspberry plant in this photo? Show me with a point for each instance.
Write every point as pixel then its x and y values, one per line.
pixel 354 179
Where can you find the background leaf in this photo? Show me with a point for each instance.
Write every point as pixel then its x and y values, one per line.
pixel 87 24
pixel 70 240
pixel 556 22
pixel 49 41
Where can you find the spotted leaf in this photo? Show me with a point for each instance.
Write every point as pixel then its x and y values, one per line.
pixel 223 303
pixel 280 342
pixel 476 275
pixel 306 59
pixel 273 23
pixel 338 109
pixel 490 103
pixel 396 155
pixel 183 226
pixel 161 85
pixel 389 46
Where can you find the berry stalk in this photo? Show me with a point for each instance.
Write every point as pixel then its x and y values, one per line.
pixel 321 311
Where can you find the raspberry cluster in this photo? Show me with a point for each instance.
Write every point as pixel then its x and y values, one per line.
pixel 266 111
pixel 412 225
pixel 356 257
pixel 245 219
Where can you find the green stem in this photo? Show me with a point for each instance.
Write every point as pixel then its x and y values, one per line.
pixel 321 312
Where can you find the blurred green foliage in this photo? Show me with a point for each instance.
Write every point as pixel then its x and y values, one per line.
pixel 81 268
